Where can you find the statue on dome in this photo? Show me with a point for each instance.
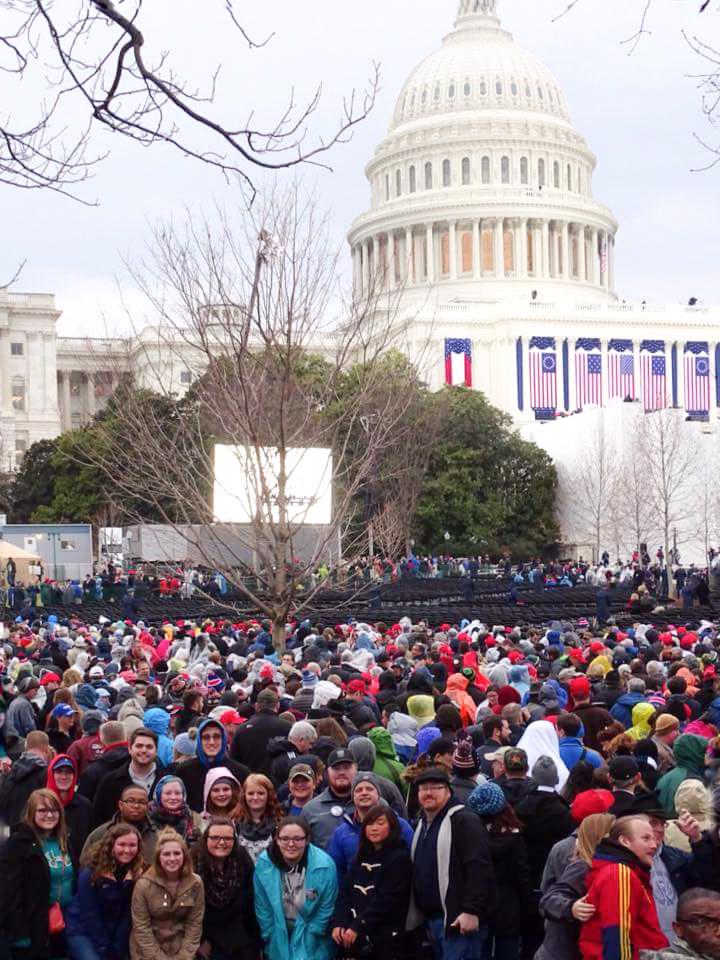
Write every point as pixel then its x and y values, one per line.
pixel 486 7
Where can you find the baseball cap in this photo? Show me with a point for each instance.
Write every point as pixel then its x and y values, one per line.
pixel 49 677
pixel 301 770
pixel 498 754
pixel 63 761
pixel 63 710
pixel 516 760
pixel 339 756
pixel 590 801
pixel 623 768
pixel 230 716
pixel 96 673
pixel 665 723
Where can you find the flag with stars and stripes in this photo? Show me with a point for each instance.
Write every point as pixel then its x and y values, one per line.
pixel 543 373
pixel 654 374
pixel 588 373
pixel 458 363
pixel 621 369
pixel 697 377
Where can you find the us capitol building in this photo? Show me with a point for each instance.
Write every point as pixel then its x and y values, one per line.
pixel 484 226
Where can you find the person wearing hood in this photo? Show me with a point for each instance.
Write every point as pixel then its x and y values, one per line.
pixel 540 740
pixel 623 706
pixel 88 748
pixel 456 690
pixel 130 714
pixel 62 780
pixel 86 697
pixel 403 730
pixel 572 748
pixel 625 920
pixel 689 751
pixel 211 752
pixel 169 808
pixel 387 764
pixel 158 720
pixel 642 715
pixel 27 774
pixel 365 794
pixel 520 679
pixel 691 797
pixel 222 795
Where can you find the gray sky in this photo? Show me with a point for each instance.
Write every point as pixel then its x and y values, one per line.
pixel 638 114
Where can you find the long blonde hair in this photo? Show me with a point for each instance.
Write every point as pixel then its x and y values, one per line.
pixel 591 831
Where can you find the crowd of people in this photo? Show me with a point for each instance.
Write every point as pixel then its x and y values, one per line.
pixel 371 791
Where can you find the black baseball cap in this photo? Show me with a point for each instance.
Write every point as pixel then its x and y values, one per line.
pixel 623 768
pixel 341 755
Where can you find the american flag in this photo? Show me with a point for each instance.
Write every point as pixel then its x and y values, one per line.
pixel 621 369
pixel 697 378
pixel 543 380
pixel 458 363
pixel 588 378
pixel 654 374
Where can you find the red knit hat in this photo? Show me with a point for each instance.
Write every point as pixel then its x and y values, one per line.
pixel 580 688
pixel 589 802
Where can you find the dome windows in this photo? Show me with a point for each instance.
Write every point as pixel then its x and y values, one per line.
pixel 569 177
pixel 541 95
pixel 505 170
pixel 411 179
pixel 466 171
pixel 541 173
pixel 412 101
pixel 556 175
pixel 428 176
pixel 550 95
pixel 514 88
pixel 528 91
pixel 485 170
pixel 387 187
pixel 483 88
pixel 451 90
pixel 446 173
pixel 398 183
pixel 467 89
pixel 524 171
pixel 424 96
pixel 498 87
pixel 436 94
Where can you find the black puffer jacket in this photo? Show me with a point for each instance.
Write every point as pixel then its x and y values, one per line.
pixel 26 774
pixel 513 889
pixel 108 762
pixel 546 818
pixel 25 892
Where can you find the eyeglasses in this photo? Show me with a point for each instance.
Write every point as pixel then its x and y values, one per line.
pixel 211 736
pixel 699 922
pixel 47 812
pixel 296 841
pixel 135 803
pixel 224 840
pixel 432 787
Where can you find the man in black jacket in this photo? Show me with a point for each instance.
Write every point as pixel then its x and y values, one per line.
pixel 250 743
pixel 452 889
pixel 26 774
pixel 142 768
pixel 115 754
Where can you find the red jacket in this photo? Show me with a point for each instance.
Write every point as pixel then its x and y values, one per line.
pixel 625 920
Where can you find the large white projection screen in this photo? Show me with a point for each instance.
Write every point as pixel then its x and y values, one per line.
pixel 240 473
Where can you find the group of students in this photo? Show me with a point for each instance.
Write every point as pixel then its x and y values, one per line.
pixel 372 792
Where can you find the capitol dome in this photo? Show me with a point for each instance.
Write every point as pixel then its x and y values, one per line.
pixel 482 185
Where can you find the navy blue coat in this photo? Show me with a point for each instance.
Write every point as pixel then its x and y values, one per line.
pixel 100 911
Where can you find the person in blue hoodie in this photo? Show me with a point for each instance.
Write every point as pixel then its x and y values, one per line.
pixel 158 720
pixel 211 752
pixel 98 919
pixel 344 843
pixel 572 749
pixel 623 706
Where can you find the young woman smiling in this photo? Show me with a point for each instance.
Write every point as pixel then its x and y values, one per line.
pixel 260 815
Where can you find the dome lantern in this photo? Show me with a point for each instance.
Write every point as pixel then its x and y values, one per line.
pixel 477 13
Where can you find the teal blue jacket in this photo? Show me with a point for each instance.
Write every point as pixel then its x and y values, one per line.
pixel 310 937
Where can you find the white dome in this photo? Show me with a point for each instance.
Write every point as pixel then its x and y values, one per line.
pixel 478 68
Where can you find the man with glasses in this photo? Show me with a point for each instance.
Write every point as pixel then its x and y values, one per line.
pixel 132 808
pixel 696 929
pixel 452 890
pixel 211 752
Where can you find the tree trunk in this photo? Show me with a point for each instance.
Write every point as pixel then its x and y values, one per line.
pixel 278 634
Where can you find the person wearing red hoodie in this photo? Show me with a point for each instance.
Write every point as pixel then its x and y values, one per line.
pixel 456 690
pixel 625 920
pixel 62 780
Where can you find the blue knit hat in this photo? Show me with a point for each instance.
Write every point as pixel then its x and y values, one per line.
pixel 486 799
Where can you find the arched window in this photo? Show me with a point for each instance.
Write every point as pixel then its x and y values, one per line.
pixel 579 180
pixel 541 173
pixel 436 95
pixel 485 169
pixel 569 177
pixel 483 88
pixel 466 171
pixel 467 89
pixel 541 95
pixel 466 250
pixel 428 176
pixel 446 173
pixel 528 91
pixel 413 185
pixel 550 95
pixel 423 98
pixel 387 186
pixel 498 87
pixel 398 183
pixel 505 170
pixel 524 171
pixel 514 88
pixel 451 91
pixel 412 101
pixel 556 175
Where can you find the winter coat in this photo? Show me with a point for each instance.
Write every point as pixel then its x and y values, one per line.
pixel 561 928
pixel 373 901
pixel 623 706
pixel 100 911
pixel 456 690
pixel 680 950
pixel 689 751
pixel 463 858
pixel 693 796
pixel 403 731
pixel 572 751
pixel 26 774
pixel 166 924
pixel 513 887
pixel 546 816
pixel 233 930
pixel 110 761
pixel 158 720
pixel 25 891
pixel 642 713
pixel 147 831
pixel 110 790
pixel 250 743
pixel 310 938
pixel 625 920
pixel 283 755
pixel 387 764
pixel 594 719
pixel 78 817
pixel 85 751
pixel 345 841
pixel 324 814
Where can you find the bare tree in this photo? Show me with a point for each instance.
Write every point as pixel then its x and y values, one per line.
pixel 592 485
pixel 669 458
pixel 633 510
pixel 94 53
pixel 244 303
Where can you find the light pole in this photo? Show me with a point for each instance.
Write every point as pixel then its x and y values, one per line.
pixel 54 536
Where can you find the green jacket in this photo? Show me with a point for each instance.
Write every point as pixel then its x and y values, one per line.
pixel 386 759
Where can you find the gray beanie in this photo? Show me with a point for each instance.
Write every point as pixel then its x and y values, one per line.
pixel 545 773
pixel 185 745
pixel 365 776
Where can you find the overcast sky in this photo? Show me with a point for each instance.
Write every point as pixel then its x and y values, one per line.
pixel 638 114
